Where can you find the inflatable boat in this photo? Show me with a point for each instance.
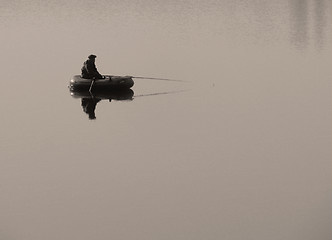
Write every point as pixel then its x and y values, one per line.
pixel 109 82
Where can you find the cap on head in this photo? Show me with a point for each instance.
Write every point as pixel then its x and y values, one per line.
pixel 92 56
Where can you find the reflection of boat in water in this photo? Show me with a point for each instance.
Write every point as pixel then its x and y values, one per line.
pixel 119 95
pixel 89 100
pixel 109 82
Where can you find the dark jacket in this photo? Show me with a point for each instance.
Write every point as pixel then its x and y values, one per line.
pixel 89 70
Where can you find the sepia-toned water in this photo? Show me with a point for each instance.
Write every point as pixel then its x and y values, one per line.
pixel 241 150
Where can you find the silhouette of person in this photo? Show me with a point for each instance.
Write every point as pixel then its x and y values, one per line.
pixel 89 106
pixel 89 69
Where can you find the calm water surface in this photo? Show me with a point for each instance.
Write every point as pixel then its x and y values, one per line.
pixel 241 151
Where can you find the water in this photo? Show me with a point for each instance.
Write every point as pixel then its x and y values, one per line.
pixel 242 151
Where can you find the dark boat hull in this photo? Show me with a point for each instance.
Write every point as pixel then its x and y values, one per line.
pixel 77 83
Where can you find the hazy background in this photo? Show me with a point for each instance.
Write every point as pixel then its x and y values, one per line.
pixel 243 151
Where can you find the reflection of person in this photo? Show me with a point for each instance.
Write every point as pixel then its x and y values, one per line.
pixel 89 106
pixel 89 69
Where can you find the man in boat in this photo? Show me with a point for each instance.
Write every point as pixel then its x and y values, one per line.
pixel 89 69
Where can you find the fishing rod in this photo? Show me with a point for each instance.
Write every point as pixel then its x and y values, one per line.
pixel 151 78
pixel 161 79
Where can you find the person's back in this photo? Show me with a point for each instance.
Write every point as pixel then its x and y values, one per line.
pixel 89 69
